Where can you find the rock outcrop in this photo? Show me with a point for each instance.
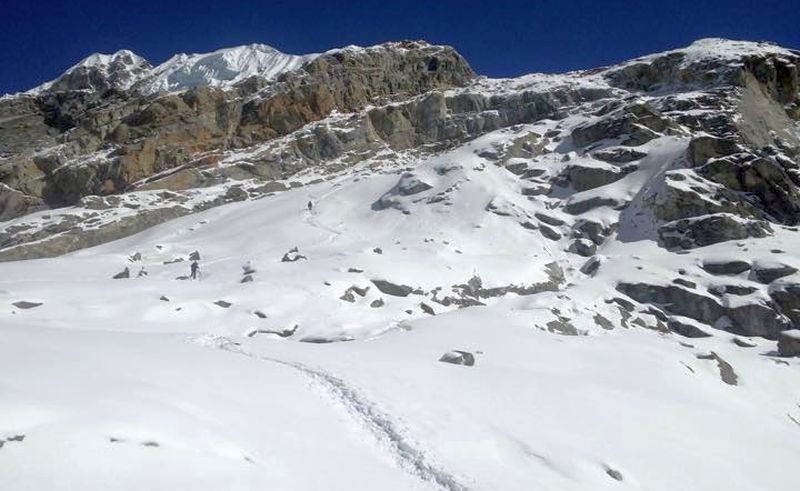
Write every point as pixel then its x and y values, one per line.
pixel 748 319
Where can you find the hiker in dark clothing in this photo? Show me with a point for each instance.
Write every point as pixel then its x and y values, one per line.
pixel 195 267
pixel 310 205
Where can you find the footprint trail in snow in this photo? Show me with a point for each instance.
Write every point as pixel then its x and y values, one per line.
pixel 369 416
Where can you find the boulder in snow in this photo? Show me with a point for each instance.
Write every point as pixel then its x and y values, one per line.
pixel 549 233
pixel 392 289
pixel 25 305
pixel 292 255
pixel 726 267
pixel 789 343
pixel 457 357
pixel 591 266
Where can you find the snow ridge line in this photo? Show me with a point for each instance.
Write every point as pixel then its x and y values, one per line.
pixel 378 423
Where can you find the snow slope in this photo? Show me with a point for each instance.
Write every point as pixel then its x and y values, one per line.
pixel 153 382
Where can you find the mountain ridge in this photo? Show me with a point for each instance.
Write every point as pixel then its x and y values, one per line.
pixel 221 67
pixel 702 49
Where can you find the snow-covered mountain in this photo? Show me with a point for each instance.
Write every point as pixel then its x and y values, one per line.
pixel 222 68
pixel 410 277
pixel 99 72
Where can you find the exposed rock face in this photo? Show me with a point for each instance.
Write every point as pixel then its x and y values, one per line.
pixel 112 138
pixel 633 124
pixel 589 177
pixel 14 203
pixel 761 177
pixel 349 79
pixel 705 147
pixel 753 319
pixel 767 272
pixel 710 229
pixel 787 297
pixel 618 155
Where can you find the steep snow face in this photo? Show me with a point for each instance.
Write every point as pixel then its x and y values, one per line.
pixel 220 68
pixel 99 72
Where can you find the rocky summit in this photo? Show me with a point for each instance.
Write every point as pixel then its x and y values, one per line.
pixel 387 225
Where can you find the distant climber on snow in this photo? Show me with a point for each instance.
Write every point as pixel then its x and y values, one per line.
pixel 194 267
pixel 310 205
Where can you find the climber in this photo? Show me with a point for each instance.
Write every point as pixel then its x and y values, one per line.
pixel 194 267
pixel 310 206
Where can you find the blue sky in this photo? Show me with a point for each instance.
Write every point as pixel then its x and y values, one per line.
pixel 40 39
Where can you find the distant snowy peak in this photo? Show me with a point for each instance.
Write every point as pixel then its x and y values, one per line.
pixel 121 59
pixel 125 69
pixel 719 51
pixel 99 72
pixel 220 68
